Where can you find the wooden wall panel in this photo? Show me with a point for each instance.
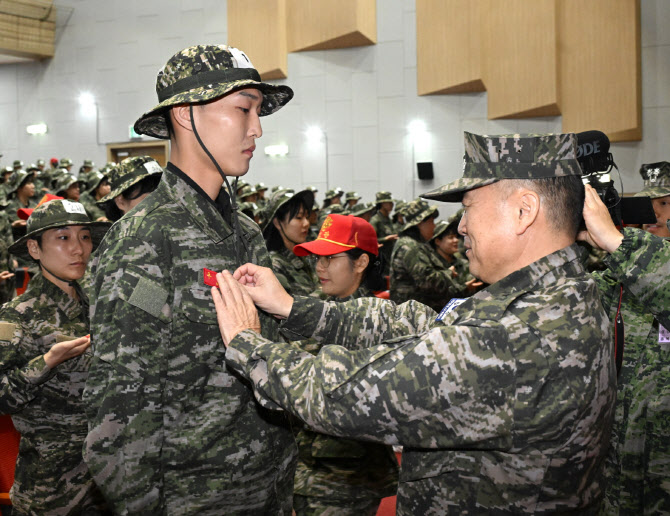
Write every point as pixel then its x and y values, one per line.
pixel 27 28
pixel 258 27
pixel 448 47
pixel 326 24
pixel 600 67
pixel 520 57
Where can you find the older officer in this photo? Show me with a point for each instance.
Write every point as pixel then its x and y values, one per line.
pixel 504 402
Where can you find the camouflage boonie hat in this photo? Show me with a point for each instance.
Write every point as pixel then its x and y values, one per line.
pixel 94 179
pixel 56 214
pixel 32 168
pixel 41 163
pixel 337 209
pixel 88 163
pixel 360 209
pixel 351 196
pixel 206 72
pixel 488 159
pixel 399 207
pixel 416 212
pixel 65 162
pixel 17 163
pixel 332 193
pixel 260 187
pixel 64 182
pixel 383 197
pixel 656 180
pixel 129 172
pixel 246 191
pixel 311 188
pixel 281 197
pixel 444 225
pixel 18 178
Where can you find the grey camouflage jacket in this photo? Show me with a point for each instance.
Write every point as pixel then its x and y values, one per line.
pixel 503 406
pixel 172 431
pixel 46 407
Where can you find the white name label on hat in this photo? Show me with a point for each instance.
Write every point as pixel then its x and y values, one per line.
pixel 663 334
pixel 74 207
pixel 241 59
pixel 152 167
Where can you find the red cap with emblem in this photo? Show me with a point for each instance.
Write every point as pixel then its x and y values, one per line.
pixel 340 233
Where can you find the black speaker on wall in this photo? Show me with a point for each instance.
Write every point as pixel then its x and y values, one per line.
pixel 425 170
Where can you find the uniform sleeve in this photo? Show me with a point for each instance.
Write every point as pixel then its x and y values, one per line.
pixel 20 376
pixel 642 265
pixel 359 323
pixel 450 387
pixel 130 327
pixel 425 272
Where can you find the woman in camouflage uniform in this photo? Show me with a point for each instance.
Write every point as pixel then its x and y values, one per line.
pixel 98 187
pixel 286 224
pixel 416 273
pixel 44 364
pixel 343 476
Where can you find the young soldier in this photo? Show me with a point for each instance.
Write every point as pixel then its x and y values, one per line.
pixel 172 430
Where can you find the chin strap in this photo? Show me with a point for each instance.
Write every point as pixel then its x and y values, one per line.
pixel 238 241
pixel 83 298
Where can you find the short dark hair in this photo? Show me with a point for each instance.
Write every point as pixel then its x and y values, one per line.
pixel 563 199
pixel 286 212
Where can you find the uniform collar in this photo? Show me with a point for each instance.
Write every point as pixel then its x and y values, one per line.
pixel 40 286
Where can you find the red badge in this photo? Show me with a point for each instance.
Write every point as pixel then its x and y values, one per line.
pixel 209 277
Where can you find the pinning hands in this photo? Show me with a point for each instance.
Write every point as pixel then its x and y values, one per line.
pixel 600 230
pixel 264 288
pixel 235 310
pixel 62 351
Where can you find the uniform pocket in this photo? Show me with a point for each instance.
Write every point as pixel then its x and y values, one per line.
pixel 198 306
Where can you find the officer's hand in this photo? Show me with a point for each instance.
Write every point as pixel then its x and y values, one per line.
pixel 600 230
pixel 235 310
pixel 63 351
pixel 264 288
pixel 473 284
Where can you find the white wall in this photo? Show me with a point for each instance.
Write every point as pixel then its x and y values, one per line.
pixel 363 98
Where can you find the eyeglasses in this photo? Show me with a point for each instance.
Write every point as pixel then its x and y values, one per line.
pixel 324 261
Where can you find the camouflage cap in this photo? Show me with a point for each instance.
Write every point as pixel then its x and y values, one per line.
pixel 337 209
pixel 65 162
pixel 246 191
pixel 248 208
pixel 205 72
pixel 17 179
pixel 17 163
pixel 88 163
pixel 64 182
pixel 280 198
pixel 32 168
pixel 360 209
pixel 383 196
pixel 416 212
pixel 656 178
pixel 332 193
pixel 57 214
pixel 129 172
pixel 311 188
pixel 41 162
pixel 351 196
pixel 94 179
pixel 399 206
pixel 451 225
pixel 260 187
pixel 489 159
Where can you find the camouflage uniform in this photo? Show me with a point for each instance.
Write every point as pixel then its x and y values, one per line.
pixel 503 403
pixel 46 406
pixel 171 430
pixel 345 475
pixel 492 417
pixel 94 211
pixel 638 465
pixel 384 227
pixel 295 273
pixel 6 239
pixel 416 273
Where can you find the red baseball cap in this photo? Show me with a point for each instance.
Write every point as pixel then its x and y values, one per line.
pixel 340 233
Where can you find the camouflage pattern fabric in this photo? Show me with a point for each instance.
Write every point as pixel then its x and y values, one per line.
pixel 46 406
pixel 6 239
pixel 171 430
pixel 462 268
pixel 489 159
pixel 637 471
pixel 656 177
pixel 295 273
pixel 342 475
pixel 384 227
pixel 206 72
pixel 417 274
pixel 505 406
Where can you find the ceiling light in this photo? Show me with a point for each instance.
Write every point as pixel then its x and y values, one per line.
pixel 36 129
pixel 276 150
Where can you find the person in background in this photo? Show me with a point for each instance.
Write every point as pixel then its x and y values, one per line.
pixel 398 217
pixel 364 211
pixel 637 470
pixel 416 273
pixel 44 361
pixel 260 191
pixel 68 187
pixel 350 199
pixel 130 182
pixel 445 244
pixel 98 187
pixel 381 221
pixel 286 224
pixel 336 475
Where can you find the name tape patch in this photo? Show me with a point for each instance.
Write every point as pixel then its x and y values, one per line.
pixel 74 207
pixel 450 306
pixel 663 334
pixel 152 167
